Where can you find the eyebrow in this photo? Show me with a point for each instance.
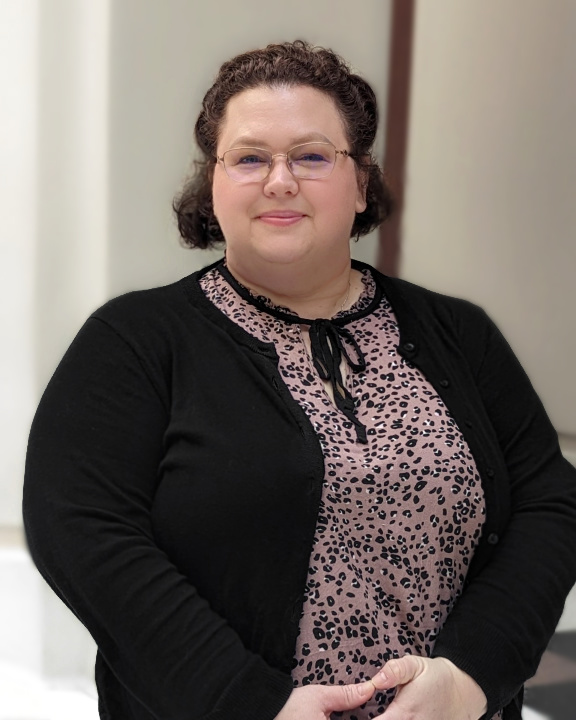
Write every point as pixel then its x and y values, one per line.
pixel 251 141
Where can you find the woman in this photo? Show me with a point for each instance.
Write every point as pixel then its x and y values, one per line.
pixel 288 486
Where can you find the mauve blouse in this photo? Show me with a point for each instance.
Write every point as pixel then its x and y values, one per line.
pixel 400 516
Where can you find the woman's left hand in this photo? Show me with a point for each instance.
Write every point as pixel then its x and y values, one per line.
pixel 429 689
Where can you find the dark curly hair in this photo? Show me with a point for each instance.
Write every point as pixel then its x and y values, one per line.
pixel 284 64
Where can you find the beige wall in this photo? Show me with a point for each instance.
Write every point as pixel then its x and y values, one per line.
pixel 120 86
pixel 491 195
pixel 163 61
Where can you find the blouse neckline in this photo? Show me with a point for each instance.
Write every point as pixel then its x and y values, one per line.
pixel 330 341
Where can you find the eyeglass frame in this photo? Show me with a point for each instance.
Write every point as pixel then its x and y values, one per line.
pixel 344 153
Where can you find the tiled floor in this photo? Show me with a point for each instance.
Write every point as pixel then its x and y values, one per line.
pixel 23 696
pixel 529 714
pixel 552 691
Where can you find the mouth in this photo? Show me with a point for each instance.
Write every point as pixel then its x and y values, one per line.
pixel 281 218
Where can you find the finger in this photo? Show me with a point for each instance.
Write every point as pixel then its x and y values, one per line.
pixel 347 697
pixel 398 672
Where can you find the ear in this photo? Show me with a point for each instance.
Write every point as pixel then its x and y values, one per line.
pixel 362 177
pixel 361 203
pixel 362 185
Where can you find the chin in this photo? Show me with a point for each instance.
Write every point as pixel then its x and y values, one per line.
pixel 283 251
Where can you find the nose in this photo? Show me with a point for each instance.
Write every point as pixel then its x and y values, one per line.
pixel 280 180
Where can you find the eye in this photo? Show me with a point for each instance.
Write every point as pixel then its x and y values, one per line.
pixel 310 158
pixel 247 158
pixel 250 160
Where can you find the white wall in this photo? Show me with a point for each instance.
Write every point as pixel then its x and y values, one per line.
pixel 18 56
pixel 96 133
pixel 491 196
pixel 53 240
pixel 71 173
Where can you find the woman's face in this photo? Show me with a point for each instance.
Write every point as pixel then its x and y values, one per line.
pixel 253 216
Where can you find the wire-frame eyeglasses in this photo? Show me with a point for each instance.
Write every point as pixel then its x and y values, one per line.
pixel 309 161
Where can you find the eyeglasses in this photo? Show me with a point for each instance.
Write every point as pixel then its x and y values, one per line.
pixel 310 161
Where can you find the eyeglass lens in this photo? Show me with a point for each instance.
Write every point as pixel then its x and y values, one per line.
pixel 308 161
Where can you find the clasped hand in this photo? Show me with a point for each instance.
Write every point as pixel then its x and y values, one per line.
pixel 426 689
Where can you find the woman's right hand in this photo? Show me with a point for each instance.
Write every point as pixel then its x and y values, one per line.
pixel 316 702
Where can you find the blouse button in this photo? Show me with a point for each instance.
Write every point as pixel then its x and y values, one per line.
pixel 493 539
pixel 444 383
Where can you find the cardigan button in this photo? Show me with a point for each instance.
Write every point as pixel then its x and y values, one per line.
pixel 409 347
pixel 493 539
pixel 444 383
pixel 490 472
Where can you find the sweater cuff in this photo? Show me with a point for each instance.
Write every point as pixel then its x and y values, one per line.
pixel 488 659
pixel 258 692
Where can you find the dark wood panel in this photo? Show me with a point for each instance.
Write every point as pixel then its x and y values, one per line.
pixel 397 115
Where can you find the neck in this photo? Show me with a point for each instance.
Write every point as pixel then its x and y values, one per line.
pixel 309 294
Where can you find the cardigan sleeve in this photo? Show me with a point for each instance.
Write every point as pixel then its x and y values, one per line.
pixel 501 625
pixel 91 472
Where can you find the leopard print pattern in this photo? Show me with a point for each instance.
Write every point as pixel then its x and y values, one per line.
pixel 399 517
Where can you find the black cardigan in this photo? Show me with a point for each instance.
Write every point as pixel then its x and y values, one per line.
pixel 172 488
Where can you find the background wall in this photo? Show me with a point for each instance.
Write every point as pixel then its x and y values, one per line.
pixel 100 98
pixel 162 63
pixel 103 97
pixel 490 199
pixel 18 149
pixel 96 133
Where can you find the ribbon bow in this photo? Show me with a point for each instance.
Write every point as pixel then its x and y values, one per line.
pixel 328 343
pixel 328 349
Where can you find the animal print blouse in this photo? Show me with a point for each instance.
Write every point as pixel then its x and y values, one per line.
pixel 399 517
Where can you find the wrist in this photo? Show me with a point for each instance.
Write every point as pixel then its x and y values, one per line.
pixel 471 694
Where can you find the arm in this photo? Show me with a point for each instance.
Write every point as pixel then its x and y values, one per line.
pixel 91 474
pixel 505 617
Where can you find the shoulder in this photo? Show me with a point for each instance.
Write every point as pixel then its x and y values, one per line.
pixel 415 304
pixel 162 312
pixel 148 328
pixel 138 335
pixel 447 326
pixel 144 305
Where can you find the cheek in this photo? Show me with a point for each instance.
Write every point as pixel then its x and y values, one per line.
pixel 231 202
pixel 351 197
pixel 219 200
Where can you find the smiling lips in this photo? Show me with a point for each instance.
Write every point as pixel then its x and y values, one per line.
pixel 281 218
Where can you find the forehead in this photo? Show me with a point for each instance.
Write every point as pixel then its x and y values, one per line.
pixel 279 117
